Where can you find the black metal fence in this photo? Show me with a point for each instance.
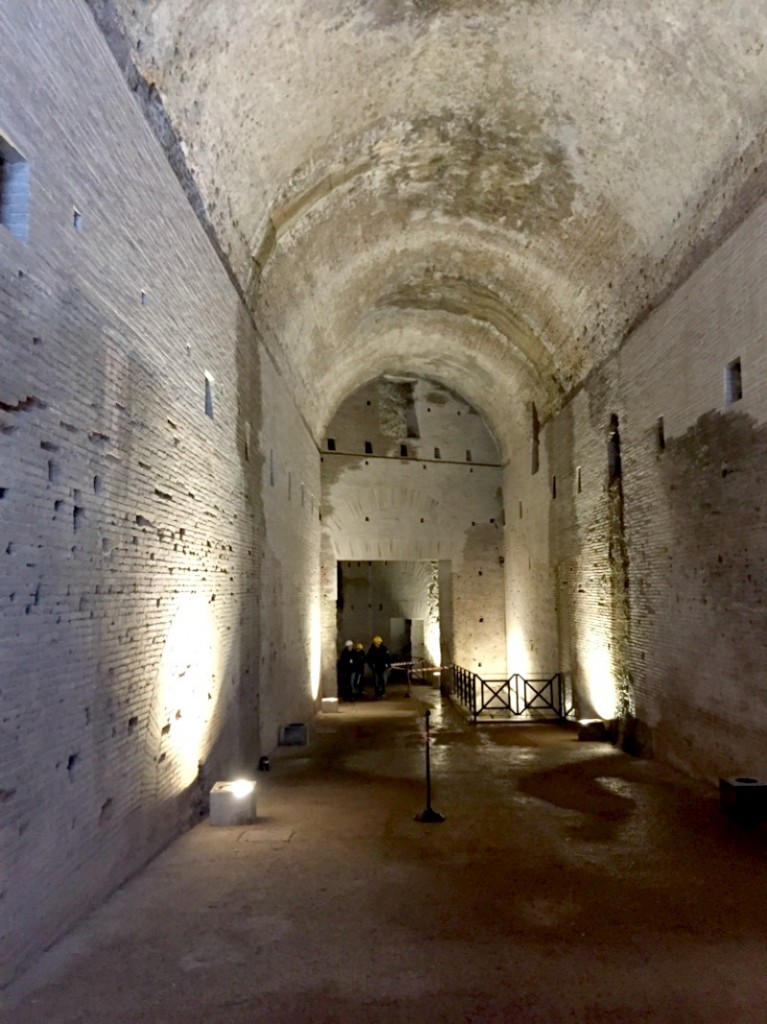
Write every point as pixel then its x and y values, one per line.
pixel 513 697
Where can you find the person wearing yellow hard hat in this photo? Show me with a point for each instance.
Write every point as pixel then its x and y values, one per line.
pixel 380 663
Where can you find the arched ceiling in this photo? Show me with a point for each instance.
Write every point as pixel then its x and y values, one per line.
pixel 498 184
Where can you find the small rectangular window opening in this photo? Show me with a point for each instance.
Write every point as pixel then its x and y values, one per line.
pixel 368 448
pixel 437 453
pixel 660 434
pixel 14 191
pixel 403 450
pixel 520 510
pixel 535 439
pixel 331 444
pixel 733 382
pixel 553 487
pixel 209 382
pixel 578 481
pixel 468 455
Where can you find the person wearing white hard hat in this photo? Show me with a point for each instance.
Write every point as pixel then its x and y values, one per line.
pixel 345 669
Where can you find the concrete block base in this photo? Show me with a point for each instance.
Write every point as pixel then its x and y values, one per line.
pixel 329 704
pixel 233 803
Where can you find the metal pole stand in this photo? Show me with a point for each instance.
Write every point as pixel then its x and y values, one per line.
pixel 429 816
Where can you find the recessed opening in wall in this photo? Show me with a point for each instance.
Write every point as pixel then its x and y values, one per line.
pixel 209 382
pixel 331 444
pixel 733 382
pixel 368 448
pixel 403 450
pixel 535 440
pixel 14 191
pixel 144 297
pixel 578 480
pixel 520 510
pixel 468 455
pixel 247 440
pixel 437 453
pixel 77 220
pixel 660 434
pixel 613 449
pixel 553 487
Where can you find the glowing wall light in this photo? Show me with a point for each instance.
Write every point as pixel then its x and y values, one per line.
pixel 598 683
pixel 187 686
pixel 315 649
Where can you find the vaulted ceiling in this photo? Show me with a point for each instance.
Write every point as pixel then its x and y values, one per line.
pixel 489 192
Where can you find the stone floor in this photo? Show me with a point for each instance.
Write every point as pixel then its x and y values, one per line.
pixel 567 883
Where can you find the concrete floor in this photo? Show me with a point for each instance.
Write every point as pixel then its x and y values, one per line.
pixel 568 883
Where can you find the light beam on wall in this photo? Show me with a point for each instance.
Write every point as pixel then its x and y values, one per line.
pixel 188 690
pixel 517 652
pixel 598 683
pixel 315 649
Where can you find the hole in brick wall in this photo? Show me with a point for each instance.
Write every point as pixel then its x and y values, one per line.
pixel 78 515
pixel 437 453
pixel 535 440
pixel 132 723
pixel 660 434
pixel 468 455
pixel 57 505
pixel 97 485
pixel 733 382
pixel 14 191
pixel 77 220
pixel 553 487
pixel 613 449
pixel 3 492
pixel 331 444
pixel 106 810
pixel 72 761
pixel 578 483
pixel 36 340
pixel 479 572
pixel 368 448
pixel 367 519
pixel 481 619
pixel 144 298
pixel 165 729
pixel 403 450
pixel 209 395
pixel 423 520
pixel 368 402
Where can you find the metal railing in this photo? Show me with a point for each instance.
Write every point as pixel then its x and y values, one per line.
pixel 516 696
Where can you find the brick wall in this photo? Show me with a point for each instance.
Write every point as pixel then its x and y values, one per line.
pixel 131 521
pixel 419 508
pixel 650 595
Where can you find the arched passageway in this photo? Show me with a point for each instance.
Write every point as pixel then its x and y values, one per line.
pixel 218 221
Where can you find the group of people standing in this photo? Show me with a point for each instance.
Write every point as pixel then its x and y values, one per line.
pixel 351 669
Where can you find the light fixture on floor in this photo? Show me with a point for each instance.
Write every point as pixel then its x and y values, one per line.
pixel 233 803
